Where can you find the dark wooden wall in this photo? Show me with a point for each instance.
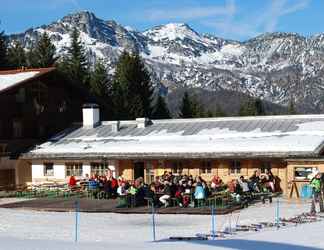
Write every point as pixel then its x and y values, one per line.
pixel 41 108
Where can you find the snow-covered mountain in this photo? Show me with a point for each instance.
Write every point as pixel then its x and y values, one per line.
pixel 274 66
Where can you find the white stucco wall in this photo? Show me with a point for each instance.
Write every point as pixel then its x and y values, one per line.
pixel 59 172
pixel 86 169
pixel 113 166
pixel 37 171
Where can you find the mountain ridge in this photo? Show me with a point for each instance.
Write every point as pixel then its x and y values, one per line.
pixel 276 67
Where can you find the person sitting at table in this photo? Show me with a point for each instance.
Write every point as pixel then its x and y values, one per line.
pixel 164 199
pixel 113 186
pixel 121 190
pixel 72 182
pixel 244 184
pixel 132 189
pixel 179 194
pixel 151 194
pixel 270 180
pixel 216 183
pixel 254 183
pixel 86 177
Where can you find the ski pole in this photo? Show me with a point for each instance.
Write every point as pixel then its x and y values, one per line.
pixel 153 221
pixel 76 219
pixel 277 214
pixel 213 223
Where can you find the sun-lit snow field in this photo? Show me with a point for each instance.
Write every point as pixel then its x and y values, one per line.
pixel 22 229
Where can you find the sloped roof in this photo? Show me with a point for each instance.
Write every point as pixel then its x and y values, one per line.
pixel 268 136
pixel 12 78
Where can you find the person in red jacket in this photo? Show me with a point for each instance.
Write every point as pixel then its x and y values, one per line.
pixel 114 186
pixel 72 182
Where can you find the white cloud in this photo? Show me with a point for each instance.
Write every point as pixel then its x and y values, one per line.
pixel 58 3
pixel 257 22
pixel 277 9
pixel 194 12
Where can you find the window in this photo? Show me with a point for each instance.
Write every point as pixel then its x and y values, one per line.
pixel 48 169
pixel 149 172
pixel 73 169
pixel 265 165
pixel 235 167
pixel 304 173
pixel 17 128
pixel 99 168
pixel 177 167
pixel 205 167
pixel 39 93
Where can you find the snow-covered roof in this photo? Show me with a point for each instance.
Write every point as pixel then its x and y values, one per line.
pixel 11 78
pixel 269 136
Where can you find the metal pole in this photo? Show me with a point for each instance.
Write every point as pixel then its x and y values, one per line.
pixel 77 209
pixel 153 221
pixel 277 214
pixel 213 223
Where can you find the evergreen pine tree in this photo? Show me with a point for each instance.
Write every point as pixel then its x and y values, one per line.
pixel 75 64
pixel 132 88
pixel 291 107
pixel 198 108
pixel 252 108
pixel 99 83
pixel 31 57
pixel 219 112
pixel 259 108
pixel 45 52
pixel 17 55
pixel 186 108
pixel 161 110
pixel 3 51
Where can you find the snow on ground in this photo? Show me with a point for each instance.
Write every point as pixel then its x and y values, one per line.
pixel 22 229
pixel 12 200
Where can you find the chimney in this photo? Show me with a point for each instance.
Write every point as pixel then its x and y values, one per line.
pixel 91 115
pixel 115 126
pixel 142 122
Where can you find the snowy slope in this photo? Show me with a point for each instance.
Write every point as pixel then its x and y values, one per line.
pixel 29 230
pixel 273 66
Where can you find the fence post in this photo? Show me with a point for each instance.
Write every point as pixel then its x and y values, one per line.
pixel 153 221
pixel 213 231
pixel 277 214
pixel 77 210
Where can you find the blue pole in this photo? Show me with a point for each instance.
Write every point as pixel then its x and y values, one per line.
pixel 277 214
pixel 153 221
pixel 213 223
pixel 77 208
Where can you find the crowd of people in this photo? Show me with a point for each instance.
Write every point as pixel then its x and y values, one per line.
pixel 181 190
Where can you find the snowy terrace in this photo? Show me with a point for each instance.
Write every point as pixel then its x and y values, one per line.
pixel 270 136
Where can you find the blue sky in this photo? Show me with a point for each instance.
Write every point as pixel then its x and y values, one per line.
pixel 234 19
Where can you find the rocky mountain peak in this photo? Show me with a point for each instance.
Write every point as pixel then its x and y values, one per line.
pixel 276 66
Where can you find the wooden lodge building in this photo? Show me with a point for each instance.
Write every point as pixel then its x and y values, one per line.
pixel 292 146
pixel 35 104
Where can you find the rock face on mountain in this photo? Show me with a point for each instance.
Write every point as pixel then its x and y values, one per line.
pixel 277 67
